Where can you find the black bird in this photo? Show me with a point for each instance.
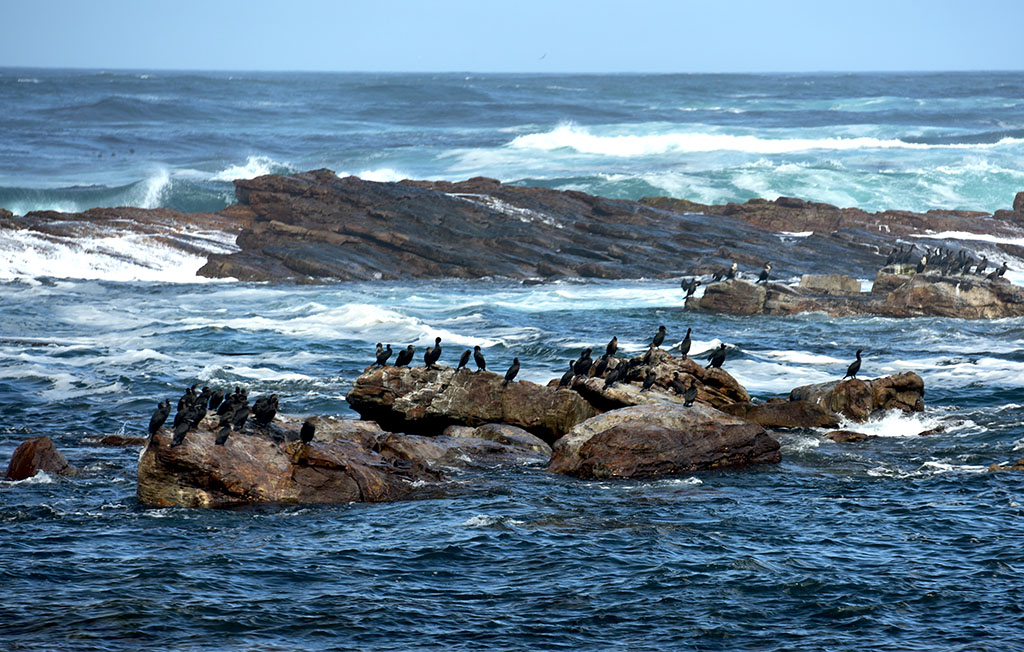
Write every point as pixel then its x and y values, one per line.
pixel 383 353
pixel 307 432
pixel 182 424
pixel 997 272
pixel 582 367
pixel 601 366
pixel 204 398
pixel 691 287
pixel 240 416
pixel 227 406
pixel 649 380
pixel 765 273
pixel 510 375
pixel 187 398
pixel 659 337
pixel 851 371
pixel 612 347
pixel 649 356
pixel 731 274
pixel 678 386
pixel 567 376
pixel 433 354
pixel 684 346
pixel 265 409
pixel 891 257
pixel 405 356
pixel 690 395
pixel 224 430
pixel 613 375
pixel 478 357
pixel 216 399
pixel 717 358
pixel 982 266
pixel 163 410
pixel 464 360
pixel 922 264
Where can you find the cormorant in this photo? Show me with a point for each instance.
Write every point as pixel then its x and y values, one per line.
pixel 982 266
pixel 405 356
pixel 731 274
pixel 307 432
pixel 613 375
pixel 216 399
pixel 510 375
pixel 163 410
pixel 649 380
pixel 224 430
pixel 717 358
pixel 265 409
pixel 582 367
pixel 684 346
pixel 464 359
pixel 204 398
pixel 922 264
pixel 691 288
pixel 382 355
pixel 612 347
pixel 567 376
pixel 478 357
pixel 433 354
pixel 659 337
pixel 240 416
pixel 765 273
pixel 601 366
pixel 690 395
pixel 997 272
pixel 851 371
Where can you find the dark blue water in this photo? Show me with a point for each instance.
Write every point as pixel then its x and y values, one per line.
pixel 898 542
pixel 78 139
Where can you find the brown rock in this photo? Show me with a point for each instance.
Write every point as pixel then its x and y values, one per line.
pixel 857 399
pixel 784 414
pixel 829 284
pixel 963 297
pixel 646 441
pixel 1018 203
pixel 117 441
pixel 35 455
pixel 734 297
pixel 426 401
pixel 846 436
pixel 252 468
pixel 1016 466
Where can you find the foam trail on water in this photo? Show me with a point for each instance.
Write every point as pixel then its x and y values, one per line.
pixel 254 166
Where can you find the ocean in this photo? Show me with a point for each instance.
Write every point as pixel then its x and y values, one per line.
pixel 901 542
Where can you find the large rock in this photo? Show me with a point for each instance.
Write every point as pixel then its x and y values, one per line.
pixel 955 296
pixel 857 399
pixel 715 386
pixel 647 441
pixel 829 284
pixel 784 414
pixel 425 401
pixel 734 297
pixel 35 455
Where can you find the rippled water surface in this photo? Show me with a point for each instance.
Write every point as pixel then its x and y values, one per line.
pixel 898 542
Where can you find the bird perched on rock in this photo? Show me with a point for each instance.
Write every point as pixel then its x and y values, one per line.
pixel 478 357
pixel 717 358
pixel 510 375
pixel 922 264
pixel 307 432
pixel 567 376
pixel 684 346
pixel 265 409
pixel 649 380
pixel 766 273
pixel 851 371
pixel 163 410
pixel 613 376
pixel 433 354
pixel 223 431
pixel 601 366
pixel 982 266
pixel 613 346
pixel 731 274
pixel 582 367
pixel 382 355
pixel 464 359
pixel 405 356
pixel 997 272
pixel 659 337
pixel 216 399
pixel 690 394
pixel 691 287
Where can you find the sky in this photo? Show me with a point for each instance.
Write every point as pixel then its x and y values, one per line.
pixel 595 36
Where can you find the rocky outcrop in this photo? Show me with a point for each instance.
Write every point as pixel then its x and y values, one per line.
pixel 348 461
pixel 857 399
pixel 425 401
pixel 35 455
pixel 784 414
pixel 892 295
pixel 646 441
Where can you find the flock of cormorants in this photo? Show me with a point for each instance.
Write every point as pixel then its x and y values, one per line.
pixel 944 260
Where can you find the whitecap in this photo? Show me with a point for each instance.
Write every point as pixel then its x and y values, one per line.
pixel 254 166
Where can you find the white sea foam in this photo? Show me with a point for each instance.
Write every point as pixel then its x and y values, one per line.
pixel 584 141
pixel 522 214
pixel 42 477
pixel 958 373
pixel 379 174
pixel 113 256
pixel 893 423
pixel 254 166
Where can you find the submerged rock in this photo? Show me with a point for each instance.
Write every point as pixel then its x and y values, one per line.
pixel 857 399
pixel 426 401
pixel 846 436
pixel 654 440
pixel 35 455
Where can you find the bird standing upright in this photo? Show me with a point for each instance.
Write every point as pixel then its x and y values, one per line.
pixel 163 410
pixel 510 375
pixel 659 337
pixel 684 346
pixel 464 359
pixel 766 273
pixel 717 358
pixel 307 432
pixel 478 357
pixel 851 371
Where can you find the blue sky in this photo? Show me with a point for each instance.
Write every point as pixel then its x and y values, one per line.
pixel 521 36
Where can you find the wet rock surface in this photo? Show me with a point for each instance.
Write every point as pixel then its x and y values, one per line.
pixel 419 400
pixel 35 455
pixel 645 441
pixel 857 399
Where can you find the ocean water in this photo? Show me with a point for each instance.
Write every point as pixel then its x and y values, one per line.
pixel 898 542
pixel 79 139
